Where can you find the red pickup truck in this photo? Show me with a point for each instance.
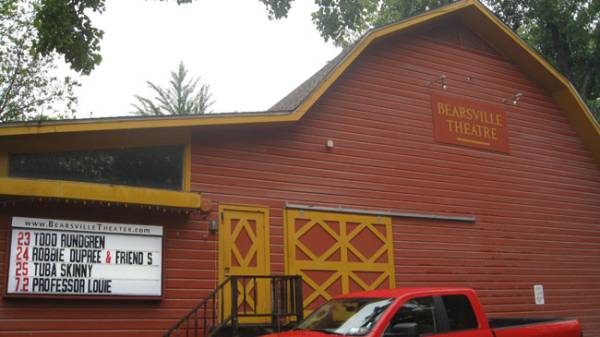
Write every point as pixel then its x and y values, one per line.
pixel 414 312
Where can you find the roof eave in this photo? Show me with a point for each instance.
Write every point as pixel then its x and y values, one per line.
pixel 131 122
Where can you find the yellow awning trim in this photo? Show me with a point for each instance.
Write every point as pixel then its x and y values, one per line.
pixel 98 192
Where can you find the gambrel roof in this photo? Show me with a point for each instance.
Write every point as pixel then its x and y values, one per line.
pixel 293 107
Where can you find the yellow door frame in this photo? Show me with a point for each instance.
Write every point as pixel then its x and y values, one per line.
pixel 259 250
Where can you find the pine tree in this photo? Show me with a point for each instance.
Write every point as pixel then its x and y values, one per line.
pixel 181 97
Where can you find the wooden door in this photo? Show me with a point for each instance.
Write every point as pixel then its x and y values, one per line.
pixel 338 253
pixel 244 250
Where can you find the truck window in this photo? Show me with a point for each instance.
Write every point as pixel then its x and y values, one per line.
pixel 346 316
pixel 419 312
pixel 460 312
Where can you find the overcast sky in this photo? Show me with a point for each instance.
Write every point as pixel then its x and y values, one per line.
pixel 249 61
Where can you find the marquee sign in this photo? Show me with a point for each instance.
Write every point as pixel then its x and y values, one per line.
pixel 469 123
pixel 78 258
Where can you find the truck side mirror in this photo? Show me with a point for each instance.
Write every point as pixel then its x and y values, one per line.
pixel 404 330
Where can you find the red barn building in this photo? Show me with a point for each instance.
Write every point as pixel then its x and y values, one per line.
pixel 440 150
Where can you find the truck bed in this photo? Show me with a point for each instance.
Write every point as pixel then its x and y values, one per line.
pixel 531 327
pixel 511 322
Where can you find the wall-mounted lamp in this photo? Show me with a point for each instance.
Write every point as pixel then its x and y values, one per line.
pixel 213 226
pixel 441 79
pixel 514 99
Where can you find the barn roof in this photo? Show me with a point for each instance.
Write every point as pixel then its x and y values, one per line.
pixel 290 109
pixel 292 100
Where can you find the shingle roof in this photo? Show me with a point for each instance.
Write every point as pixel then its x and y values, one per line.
pixel 298 95
pixel 303 91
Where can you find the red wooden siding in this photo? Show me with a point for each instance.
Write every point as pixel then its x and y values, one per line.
pixel 537 209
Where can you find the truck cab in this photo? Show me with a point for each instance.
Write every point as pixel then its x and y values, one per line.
pixel 415 312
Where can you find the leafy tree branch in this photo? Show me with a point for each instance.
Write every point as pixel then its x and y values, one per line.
pixel 28 88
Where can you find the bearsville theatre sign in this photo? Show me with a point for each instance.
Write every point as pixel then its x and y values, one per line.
pixel 78 258
pixel 464 122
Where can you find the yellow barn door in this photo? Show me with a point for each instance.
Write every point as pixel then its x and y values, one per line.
pixel 244 250
pixel 338 253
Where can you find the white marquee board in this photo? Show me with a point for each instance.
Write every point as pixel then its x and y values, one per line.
pixel 80 258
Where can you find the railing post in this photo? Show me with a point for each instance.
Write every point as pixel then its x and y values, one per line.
pixel 196 323
pixel 275 304
pixel 204 322
pixel 299 298
pixel 234 305
pixel 187 326
pixel 221 306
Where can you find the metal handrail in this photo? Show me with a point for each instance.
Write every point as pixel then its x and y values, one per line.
pixel 202 306
pixel 286 302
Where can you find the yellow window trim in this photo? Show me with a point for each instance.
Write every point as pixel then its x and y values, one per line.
pixel 105 140
pixel 97 192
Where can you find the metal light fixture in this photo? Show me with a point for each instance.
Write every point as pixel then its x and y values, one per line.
pixel 441 79
pixel 514 99
pixel 213 226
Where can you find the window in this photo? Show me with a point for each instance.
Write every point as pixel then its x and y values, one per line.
pixel 349 316
pixel 420 313
pixel 460 312
pixel 155 167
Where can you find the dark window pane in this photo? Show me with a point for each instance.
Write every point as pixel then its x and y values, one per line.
pixel 419 312
pixel 460 312
pixel 156 167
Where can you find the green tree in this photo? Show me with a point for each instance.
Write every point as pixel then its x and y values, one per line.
pixel 566 32
pixel 28 90
pixel 343 21
pixel 181 97
pixel 65 27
